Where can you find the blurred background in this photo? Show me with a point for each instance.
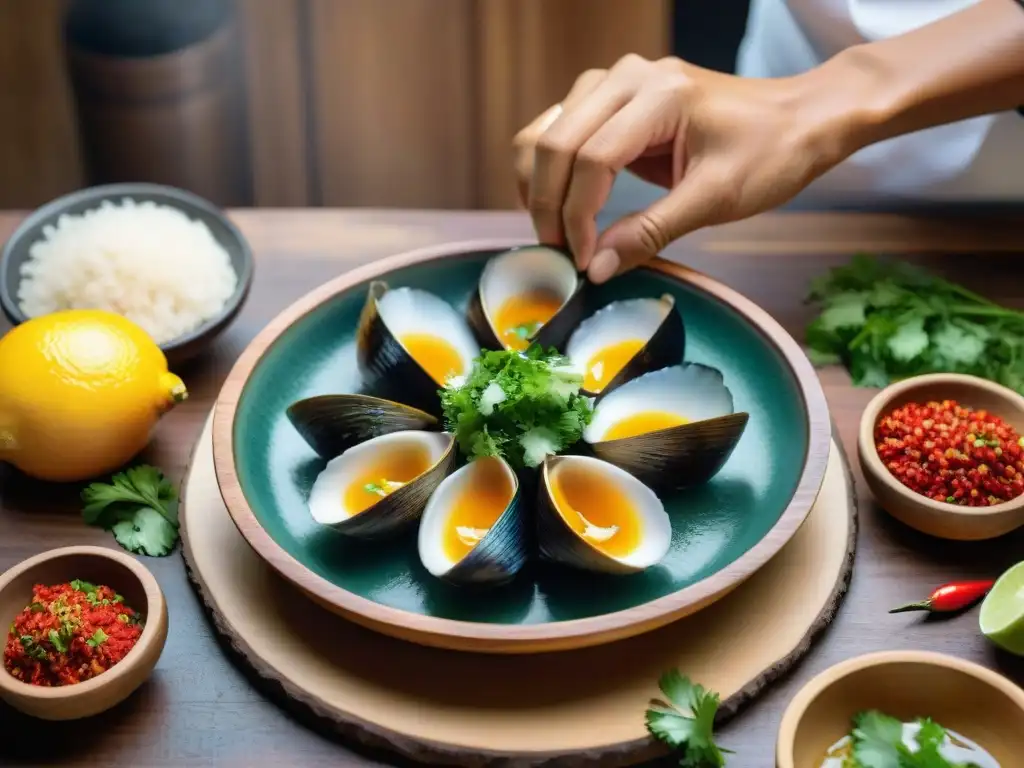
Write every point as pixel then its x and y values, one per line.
pixel 282 103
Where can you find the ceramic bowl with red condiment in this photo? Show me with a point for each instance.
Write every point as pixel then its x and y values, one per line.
pixel 89 625
pixel 944 454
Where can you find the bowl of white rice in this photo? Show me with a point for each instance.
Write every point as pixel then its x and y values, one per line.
pixel 166 259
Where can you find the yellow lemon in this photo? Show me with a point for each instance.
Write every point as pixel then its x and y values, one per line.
pixel 80 393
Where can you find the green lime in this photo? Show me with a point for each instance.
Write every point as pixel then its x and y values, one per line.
pixel 1002 612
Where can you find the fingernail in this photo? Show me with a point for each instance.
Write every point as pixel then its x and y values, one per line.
pixel 604 266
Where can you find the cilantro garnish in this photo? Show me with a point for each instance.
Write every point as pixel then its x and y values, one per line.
pixel 98 638
pixel 525 331
pixel 33 650
pixel 61 639
pixel 374 488
pixel 522 406
pixel 137 506
pixel 890 320
pixel 686 722
pixel 878 743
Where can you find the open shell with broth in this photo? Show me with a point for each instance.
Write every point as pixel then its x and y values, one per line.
pixel 671 428
pixel 410 342
pixel 475 527
pixel 626 339
pixel 527 295
pixel 594 516
pixel 658 423
pixel 380 487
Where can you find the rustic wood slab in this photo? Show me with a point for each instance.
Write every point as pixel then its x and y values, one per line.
pixel 468 709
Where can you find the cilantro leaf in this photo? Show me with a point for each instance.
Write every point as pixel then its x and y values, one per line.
pixel 32 649
pixel 61 640
pixel 84 586
pixel 876 740
pixel 687 721
pixel 146 532
pixel 522 406
pixel 138 507
pixel 99 637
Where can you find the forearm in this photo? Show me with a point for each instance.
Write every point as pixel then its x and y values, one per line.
pixel 969 64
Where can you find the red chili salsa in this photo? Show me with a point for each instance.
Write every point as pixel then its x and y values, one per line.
pixel 950 453
pixel 70 633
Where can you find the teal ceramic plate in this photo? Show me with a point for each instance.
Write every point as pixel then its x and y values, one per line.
pixel 722 532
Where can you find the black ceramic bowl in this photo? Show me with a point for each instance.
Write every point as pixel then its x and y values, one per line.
pixel 16 252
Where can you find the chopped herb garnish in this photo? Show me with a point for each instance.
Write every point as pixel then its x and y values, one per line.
pixel 878 743
pixel 84 586
pixel 374 488
pixel 526 330
pixel 522 406
pixel 98 638
pixel 60 640
pixel 36 607
pixel 32 649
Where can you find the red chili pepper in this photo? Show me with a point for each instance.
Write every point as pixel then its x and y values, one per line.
pixel 950 598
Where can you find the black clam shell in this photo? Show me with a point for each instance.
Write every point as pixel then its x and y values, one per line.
pixel 332 424
pixel 558 543
pixel 678 457
pixel 388 371
pixel 501 553
pixel 665 348
pixel 399 510
pixel 554 333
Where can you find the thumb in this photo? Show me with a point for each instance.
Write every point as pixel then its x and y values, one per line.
pixel 638 237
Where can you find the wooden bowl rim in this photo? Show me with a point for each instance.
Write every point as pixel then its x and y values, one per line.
pixel 872 464
pixel 809 693
pixel 505 637
pixel 151 636
pixel 173 197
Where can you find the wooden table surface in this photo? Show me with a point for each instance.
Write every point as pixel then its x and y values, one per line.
pixel 198 709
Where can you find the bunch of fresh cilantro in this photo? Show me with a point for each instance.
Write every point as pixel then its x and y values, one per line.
pixel 890 320
pixel 522 406
pixel 878 743
pixel 138 507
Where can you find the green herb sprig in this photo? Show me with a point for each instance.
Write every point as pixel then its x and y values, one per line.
pixel 878 743
pixel 888 320
pixel 685 721
pixel 138 507
pixel 522 406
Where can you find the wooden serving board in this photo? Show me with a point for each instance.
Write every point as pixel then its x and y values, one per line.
pixel 449 708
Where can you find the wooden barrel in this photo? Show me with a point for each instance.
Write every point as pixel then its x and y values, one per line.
pixel 173 118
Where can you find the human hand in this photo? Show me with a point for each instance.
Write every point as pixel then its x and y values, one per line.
pixel 726 147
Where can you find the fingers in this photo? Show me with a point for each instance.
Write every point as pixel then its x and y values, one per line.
pixel 525 141
pixel 650 120
pixel 639 237
pixel 556 151
pixel 523 147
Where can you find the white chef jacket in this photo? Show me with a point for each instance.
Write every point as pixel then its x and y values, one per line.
pixel 976 161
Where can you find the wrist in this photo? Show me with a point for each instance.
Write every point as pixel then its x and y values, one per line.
pixel 845 104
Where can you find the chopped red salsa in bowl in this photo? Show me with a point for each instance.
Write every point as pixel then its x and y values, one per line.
pixel 952 454
pixel 70 633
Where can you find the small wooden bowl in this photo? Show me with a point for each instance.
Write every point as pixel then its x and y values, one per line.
pixel 947 521
pixel 962 696
pixel 98 566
